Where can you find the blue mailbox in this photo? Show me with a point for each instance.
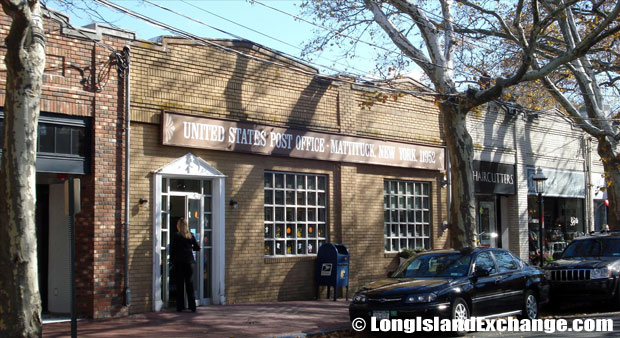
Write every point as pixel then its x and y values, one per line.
pixel 332 268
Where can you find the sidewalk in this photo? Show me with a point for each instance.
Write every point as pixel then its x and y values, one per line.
pixel 282 319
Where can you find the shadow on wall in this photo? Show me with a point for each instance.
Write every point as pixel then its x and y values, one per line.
pixel 299 282
pixel 233 92
pixel 141 297
pixel 301 273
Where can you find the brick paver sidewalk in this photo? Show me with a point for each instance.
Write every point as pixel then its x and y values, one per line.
pixel 243 320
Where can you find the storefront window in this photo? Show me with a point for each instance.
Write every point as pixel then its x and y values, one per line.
pixel 564 221
pixel 600 215
pixel 295 217
pixel 406 217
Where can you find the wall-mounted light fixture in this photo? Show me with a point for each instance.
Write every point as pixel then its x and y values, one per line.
pixel 444 226
pixel 443 181
pixel 143 202
pixel 233 204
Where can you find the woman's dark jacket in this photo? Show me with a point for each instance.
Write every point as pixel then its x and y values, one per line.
pixel 181 249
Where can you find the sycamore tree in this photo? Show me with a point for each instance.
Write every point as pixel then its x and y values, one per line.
pixel 20 303
pixel 588 89
pixel 470 52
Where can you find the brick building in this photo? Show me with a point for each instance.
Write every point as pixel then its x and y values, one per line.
pixel 80 135
pixel 266 157
pixel 269 159
pixel 510 145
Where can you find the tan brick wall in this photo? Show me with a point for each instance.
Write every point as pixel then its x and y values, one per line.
pixel 362 217
pixel 205 81
pixel 355 216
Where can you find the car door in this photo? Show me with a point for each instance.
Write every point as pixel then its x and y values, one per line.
pixel 511 282
pixel 485 292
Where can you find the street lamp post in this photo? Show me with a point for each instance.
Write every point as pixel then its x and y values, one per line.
pixel 539 181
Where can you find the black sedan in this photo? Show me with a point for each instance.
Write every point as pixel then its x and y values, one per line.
pixel 587 271
pixel 481 282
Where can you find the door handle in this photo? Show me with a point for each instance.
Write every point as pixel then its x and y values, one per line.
pixel 497 280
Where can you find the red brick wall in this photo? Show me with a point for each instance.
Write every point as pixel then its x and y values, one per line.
pixel 73 64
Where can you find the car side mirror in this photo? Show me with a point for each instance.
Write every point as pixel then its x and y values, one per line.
pixel 481 272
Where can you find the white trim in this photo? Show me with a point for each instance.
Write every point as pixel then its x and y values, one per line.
pixel 191 166
pixel 157 301
pixel 218 245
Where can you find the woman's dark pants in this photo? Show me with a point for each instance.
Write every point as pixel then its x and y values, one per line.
pixel 183 275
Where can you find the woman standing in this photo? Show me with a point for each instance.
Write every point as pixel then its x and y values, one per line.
pixel 182 257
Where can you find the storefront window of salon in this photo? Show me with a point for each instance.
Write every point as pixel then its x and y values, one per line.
pixel 569 222
pixel 407 215
pixel 295 213
pixel 564 221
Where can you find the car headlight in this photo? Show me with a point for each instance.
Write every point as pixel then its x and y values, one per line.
pixel 600 273
pixel 360 299
pixel 421 298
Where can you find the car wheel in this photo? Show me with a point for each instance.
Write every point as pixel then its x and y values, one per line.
pixel 530 306
pixel 460 310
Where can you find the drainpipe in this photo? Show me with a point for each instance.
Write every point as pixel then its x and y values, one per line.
pixel 449 186
pixel 127 146
pixel 589 212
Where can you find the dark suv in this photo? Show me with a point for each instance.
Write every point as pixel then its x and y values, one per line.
pixel 588 270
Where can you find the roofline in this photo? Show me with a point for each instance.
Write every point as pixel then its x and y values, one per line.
pixel 94 31
pixel 165 40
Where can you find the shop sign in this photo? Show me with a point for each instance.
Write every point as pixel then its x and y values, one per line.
pixel 494 178
pixel 559 183
pixel 199 132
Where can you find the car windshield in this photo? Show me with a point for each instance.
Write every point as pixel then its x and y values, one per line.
pixel 595 247
pixel 436 265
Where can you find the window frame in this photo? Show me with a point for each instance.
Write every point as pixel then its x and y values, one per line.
pixel 409 207
pixel 310 216
pixel 57 162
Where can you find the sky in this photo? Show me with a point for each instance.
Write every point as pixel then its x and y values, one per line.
pixel 246 20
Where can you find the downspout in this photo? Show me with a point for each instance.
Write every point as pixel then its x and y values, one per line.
pixel 449 187
pixel 127 153
pixel 589 213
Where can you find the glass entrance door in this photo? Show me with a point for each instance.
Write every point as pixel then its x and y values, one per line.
pixel 487 224
pixel 194 220
pixel 196 208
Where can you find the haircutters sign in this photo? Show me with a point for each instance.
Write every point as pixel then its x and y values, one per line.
pixel 206 133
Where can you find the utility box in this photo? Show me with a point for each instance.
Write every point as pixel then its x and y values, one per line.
pixel 332 268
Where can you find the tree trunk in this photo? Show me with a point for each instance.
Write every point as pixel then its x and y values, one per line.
pixel 462 219
pixel 611 161
pixel 20 301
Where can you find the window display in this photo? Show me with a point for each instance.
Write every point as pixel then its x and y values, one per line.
pixel 407 212
pixel 564 221
pixel 295 217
